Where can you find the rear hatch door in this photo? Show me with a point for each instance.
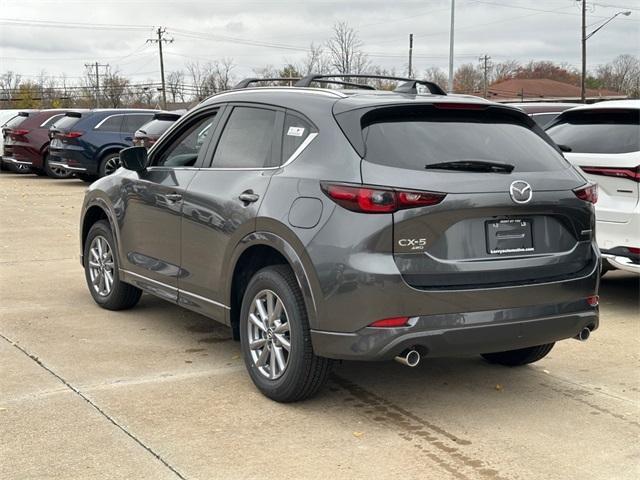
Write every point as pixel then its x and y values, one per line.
pixel 510 214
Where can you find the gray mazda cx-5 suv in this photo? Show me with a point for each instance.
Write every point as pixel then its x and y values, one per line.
pixel 352 223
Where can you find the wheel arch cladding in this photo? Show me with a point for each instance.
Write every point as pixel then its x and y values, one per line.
pixel 255 257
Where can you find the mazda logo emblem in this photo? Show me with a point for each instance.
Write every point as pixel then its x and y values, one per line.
pixel 520 191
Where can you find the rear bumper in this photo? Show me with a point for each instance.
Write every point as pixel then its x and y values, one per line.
pixel 15 161
pixel 73 159
pixel 461 334
pixel 622 263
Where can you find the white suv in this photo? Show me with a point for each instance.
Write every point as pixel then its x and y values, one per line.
pixel 604 143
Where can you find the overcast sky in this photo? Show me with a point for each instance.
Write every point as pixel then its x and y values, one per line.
pixel 60 36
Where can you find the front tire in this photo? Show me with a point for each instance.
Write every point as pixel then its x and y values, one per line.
pixel 275 338
pixel 522 356
pixel 101 271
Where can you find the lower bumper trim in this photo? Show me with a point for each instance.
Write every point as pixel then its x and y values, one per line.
pixel 15 161
pixel 67 167
pixel 441 341
pixel 622 263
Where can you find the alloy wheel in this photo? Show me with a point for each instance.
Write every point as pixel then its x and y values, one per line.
pixel 101 266
pixel 111 165
pixel 268 333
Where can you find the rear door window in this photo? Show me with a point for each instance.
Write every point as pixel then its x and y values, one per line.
pixel 111 124
pixel 134 121
pixel 597 131
pixel 411 138
pixel 247 139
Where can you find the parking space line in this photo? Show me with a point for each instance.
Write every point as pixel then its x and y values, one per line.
pixel 96 407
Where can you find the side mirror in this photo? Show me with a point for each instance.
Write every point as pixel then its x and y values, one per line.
pixel 134 158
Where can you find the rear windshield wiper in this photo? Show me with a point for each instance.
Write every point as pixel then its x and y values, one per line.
pixel 472 166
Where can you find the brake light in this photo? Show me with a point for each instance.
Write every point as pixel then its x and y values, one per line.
pixel 622 172
pixel 593 300
pixel 73 134
pixel 634 250
pixel 460 106
pixel 391 322
pixel 371 199
pixel 588 193
pixel 18 131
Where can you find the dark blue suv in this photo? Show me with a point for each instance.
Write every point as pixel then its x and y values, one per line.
pixel 88 143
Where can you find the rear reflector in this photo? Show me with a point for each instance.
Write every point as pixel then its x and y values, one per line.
pixel 371 199
pixel 588 193
pixel 593 300
pixel 391 322
pixel 622 172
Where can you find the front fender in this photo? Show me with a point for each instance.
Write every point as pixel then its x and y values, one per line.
pixel 97 198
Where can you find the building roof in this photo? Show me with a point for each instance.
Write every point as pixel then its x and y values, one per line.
pixel 543 89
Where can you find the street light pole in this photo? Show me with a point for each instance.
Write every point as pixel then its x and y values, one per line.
pixel 453 9
pixel 586 37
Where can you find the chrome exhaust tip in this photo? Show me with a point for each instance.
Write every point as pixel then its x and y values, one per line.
pixel 409 358
pixel 584 334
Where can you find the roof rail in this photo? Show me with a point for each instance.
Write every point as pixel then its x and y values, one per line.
pixel 251 80
pixel 410 85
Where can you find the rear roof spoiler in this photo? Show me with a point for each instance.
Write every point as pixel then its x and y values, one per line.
pixel 409 86
pixel 167 116
pixel 23 114
pixel 73 114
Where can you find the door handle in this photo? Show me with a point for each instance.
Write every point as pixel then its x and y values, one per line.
pixel 173 197
pixel 248 197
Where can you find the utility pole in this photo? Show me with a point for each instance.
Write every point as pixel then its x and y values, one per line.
pixel 97 67
pixel 453 9
pixel 584 52
pixel 161 31
pixel 485 60
pixel 411 55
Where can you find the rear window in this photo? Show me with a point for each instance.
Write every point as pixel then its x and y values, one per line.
pixel 598 131
pixel 52 120
pixel 134 121
pixel 544 119
pixel 65 122
pixel 411 138
pixel 15 121
pixel 156 127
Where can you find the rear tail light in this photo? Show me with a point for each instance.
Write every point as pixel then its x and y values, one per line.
pixel 391 322
pixel 371 199
pixel 634 250
pixel 622 172
pixel 73 134
pixel 18 131
pixel 588 193
pixel 593 300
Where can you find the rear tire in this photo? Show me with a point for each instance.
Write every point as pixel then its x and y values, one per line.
pixel 55 172
pixel 101 270
pixel 522 356
pixel 109 164
pixel 298 373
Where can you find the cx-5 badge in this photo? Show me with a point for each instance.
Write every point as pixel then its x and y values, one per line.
pixel 520 191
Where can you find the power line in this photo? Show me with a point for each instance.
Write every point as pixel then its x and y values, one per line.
pixel 97 66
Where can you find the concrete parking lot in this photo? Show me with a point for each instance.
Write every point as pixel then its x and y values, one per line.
pixel 159 392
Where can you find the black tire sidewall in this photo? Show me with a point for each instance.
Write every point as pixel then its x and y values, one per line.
pixel 280 388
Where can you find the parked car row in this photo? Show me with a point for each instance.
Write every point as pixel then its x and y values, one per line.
pixel 61 143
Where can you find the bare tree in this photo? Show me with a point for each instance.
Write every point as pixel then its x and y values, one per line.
pixel 621 75
pixel 345 50
pixel 467 79
pixel 9 83
pixel 223 75
pixel 198 75
pixel 316 61
pixel 504 70
pixel 115 88
pixel 175 85
pixel 436 75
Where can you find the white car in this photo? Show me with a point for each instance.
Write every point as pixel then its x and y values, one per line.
pixel 604 139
